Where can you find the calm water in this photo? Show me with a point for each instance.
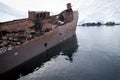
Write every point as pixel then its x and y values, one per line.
pixel 94 54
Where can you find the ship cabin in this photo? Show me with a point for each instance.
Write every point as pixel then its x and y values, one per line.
pixel 36 15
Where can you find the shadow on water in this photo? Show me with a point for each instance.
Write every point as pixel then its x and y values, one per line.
pixel 67 47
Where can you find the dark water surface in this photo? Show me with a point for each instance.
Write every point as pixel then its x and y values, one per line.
pixel 93 55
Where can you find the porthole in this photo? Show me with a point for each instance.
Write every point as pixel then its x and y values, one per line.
pixel 60 33
pixel 45 44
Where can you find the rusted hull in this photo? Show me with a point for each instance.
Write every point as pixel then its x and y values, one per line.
pixel 13 58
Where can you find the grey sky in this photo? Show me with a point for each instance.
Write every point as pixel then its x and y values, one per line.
pixel 40 5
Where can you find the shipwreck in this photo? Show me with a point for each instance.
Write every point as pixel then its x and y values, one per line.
pixel 23 39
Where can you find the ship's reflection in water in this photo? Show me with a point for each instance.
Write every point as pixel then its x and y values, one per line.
pixel 69 47
pixel 66 49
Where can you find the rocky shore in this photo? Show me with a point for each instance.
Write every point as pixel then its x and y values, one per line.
pixel 99 24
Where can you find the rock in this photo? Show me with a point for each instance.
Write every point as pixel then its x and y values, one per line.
pixel 92 24
pixel 15 39
pixel 4 43
pixel 47 27
pixel 10 38
pixel 98 23
pixel 4 38
pixel 10 47
pixel 32 31
pixel 110 23
pixel 18 43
